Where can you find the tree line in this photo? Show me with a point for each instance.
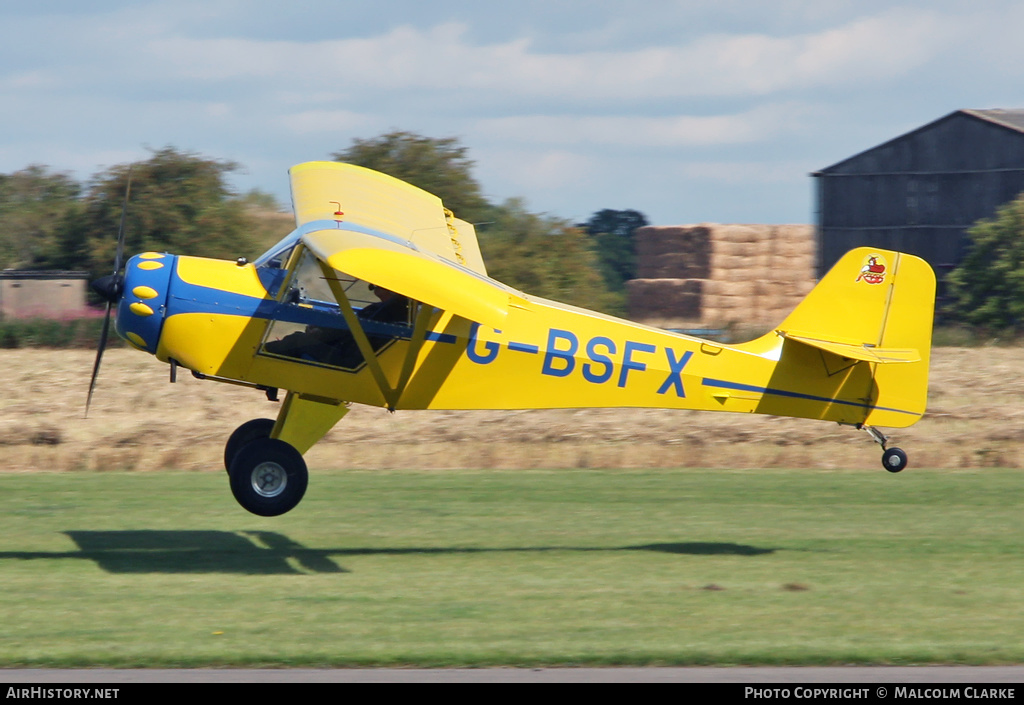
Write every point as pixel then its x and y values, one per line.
pixel 181 202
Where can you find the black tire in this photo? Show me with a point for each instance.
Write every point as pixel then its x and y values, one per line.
pixel 268 477
pixel 894 460
pixel 245 434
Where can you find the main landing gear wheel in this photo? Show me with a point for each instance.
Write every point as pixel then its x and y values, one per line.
pixel 894 459
pixel 268 477
pixel 245 434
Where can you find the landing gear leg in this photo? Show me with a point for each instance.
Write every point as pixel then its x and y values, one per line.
pixel 893 459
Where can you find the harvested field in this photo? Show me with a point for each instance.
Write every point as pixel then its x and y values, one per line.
pixel 138 421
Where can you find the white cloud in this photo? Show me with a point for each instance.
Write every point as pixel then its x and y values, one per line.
pixel 28 80
pixel 741 172
pixel 325 121
pixel 560 113
pixel 555 169
pixel 758 124
pixel 545 176
pixel 444 59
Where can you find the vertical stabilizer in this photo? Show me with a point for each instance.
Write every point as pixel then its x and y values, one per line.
pixel 874 308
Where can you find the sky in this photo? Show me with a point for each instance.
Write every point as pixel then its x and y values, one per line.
pixel 687 111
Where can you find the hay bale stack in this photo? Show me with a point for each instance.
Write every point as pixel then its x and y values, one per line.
pixel 673 252
pixel 718 275
pixel 665 299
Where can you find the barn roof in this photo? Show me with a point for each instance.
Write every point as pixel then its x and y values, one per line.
pixel 1012 119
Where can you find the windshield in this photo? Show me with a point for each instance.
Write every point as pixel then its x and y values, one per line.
pixel 270 266
pixel 277 256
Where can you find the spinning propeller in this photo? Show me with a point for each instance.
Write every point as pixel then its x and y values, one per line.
pixel 110 289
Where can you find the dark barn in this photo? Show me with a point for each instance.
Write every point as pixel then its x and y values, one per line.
pixel 922 191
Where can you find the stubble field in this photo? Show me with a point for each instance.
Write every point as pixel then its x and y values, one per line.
pixel 141 422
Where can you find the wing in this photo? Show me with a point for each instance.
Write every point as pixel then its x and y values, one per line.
pixel 382 230
pixel 403 267
pixel 332 191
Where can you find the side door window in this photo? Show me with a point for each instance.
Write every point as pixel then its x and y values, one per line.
pixel 309 324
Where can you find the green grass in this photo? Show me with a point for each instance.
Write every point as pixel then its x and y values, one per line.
pixel 515 568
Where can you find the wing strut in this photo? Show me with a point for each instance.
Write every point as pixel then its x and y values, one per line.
pixel 423 315
pixel 357 332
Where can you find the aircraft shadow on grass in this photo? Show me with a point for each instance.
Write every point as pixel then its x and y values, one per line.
pixel 272 553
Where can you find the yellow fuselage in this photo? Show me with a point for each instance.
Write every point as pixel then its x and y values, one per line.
pixel 215 314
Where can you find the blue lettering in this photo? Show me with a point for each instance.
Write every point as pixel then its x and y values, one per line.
pixel 628 363
pixel 491 348
pixel 553 353
pixel 675 373
pixel 600 359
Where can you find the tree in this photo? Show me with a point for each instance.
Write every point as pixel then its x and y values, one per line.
pixel 546 257
pixel 438 166
pixel 35 207
pixel 612 234
pixel 179 202
pixel 541 255
pixel 987 288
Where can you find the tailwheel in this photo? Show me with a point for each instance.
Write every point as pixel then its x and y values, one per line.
pixel 243 435
pixel 894 459
pixel 268 477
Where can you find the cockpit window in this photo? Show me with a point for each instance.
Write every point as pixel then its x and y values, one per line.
pixel 309 286
pixel 310 326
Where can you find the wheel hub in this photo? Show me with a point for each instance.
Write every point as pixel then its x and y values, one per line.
pixel 269 479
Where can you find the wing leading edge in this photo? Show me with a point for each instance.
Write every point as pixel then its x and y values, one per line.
pixel 407 270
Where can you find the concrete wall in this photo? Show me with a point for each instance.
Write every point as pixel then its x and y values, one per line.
pixel 42 294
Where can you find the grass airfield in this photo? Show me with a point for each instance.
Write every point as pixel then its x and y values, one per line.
pixel 518 568
pixel 659 538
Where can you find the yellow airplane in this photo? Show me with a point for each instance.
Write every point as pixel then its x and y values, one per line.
pixel 380 297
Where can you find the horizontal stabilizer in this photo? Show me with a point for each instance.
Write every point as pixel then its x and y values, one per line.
pixel 864 351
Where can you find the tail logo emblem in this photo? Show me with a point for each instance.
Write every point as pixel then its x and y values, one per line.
pixel 873 271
